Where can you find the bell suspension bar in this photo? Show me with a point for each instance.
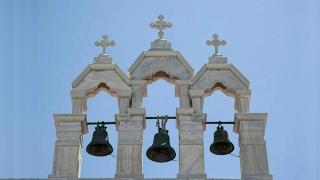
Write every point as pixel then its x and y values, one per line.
pixel 100 122
pixel 156 117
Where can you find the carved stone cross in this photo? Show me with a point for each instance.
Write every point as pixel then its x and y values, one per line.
pixel 216 42
pixel 104 43
pixel 160 25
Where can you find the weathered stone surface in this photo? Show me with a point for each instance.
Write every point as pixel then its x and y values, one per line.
pixel 97 77
pixel 103 59
pixel 218 60
pixel 253 152
pixel 67 152
pixel 117 178
pixel 161 62
pixel 191 152
pixel 171 65
pixel 160 45
pixel 224 77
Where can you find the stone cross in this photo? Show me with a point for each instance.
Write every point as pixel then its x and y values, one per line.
pixel 216 42
pixel 160 25
pixel 104 43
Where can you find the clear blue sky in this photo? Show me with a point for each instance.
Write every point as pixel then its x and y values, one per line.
pixel 45 44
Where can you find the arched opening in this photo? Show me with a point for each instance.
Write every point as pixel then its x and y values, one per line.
pixel 220 107
pixel 160 101
pixel 101 107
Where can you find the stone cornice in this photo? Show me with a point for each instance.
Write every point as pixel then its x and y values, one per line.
pixel 61 120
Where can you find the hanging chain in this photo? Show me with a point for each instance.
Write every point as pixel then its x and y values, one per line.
pixel 162 125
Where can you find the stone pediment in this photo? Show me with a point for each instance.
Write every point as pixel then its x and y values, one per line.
pixel 222 76
pixel 94 76
pixel 166 64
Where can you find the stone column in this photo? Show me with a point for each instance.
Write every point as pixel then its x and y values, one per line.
pixel 243 101
pixel 197 100
pixel 182 91
pixel 79 104
pixel 123 100
pixel 191 156
pixel 253 152
pixel 130 136
pixel 67 152
pixel 139 90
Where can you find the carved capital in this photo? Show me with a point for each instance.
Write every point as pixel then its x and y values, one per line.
pixel 196 93
pixel 251 127
pixel 69 124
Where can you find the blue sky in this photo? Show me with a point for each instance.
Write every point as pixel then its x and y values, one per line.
pixel 45 44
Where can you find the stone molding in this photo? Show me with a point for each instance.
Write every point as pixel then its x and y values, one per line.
pixel 160 45
pixel 116 178
pixel 103 59
pixel 218 60
pixel 71 122
pixel 258 121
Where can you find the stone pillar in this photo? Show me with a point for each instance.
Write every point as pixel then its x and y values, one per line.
pixel 123 100
pixel 182 91
pixel 130 136
pixel 243 101
pixel 197 100
pixel 67 152
pixel 79 105
pixel 191 150
pixel 139 90
pixel 253 152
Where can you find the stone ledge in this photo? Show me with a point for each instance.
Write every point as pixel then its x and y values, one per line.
pixel 103 59
pixel 71 122
pixel 65 178
pixel 218 60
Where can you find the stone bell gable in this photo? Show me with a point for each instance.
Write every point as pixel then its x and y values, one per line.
pixel 224 77
pixel 161 62
pixel 96 77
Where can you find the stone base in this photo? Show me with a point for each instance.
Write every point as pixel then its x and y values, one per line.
pixel 218 60
pixel 128 177
pixel 53 177
pixel 192 177
pixel 257 177
pixel 160 45
pixel 103 59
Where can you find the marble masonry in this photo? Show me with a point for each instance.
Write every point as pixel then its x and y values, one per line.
pixel 160 62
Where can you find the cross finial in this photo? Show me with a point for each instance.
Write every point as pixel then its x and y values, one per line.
pixel 160 25
pixel 104 43
pixel 216 42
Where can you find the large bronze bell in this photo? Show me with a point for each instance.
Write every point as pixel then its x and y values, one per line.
pixel 221 144
pixel 161 151
pixel 100 146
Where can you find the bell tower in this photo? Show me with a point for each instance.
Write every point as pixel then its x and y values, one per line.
pixel 161 62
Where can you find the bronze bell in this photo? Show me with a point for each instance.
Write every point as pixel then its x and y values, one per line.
pixel 221 144
pixel 161 151
pixel 100 146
